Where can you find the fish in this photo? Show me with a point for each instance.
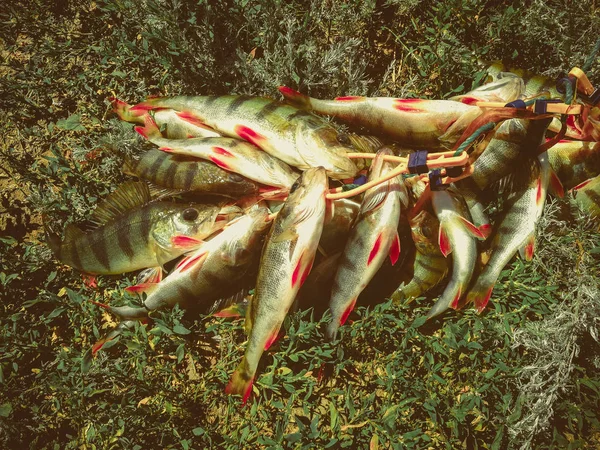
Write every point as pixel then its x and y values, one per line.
pixel 515 232
pixel 230 154
pixel 206 274
pixel 573 162
pixel 285 263
pixel 513 142
pixel 187 174
pixel 534 84
pixel 507 87
pixel 296 137
pixel 430 266
pixel 316 289
pixel 433 124
pixel 171 125
pixel 457 235
pixel 587 196
pixel 132 232
pixel 338 222
pixel 373 237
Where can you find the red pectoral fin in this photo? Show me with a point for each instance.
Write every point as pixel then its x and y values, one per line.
pixel 395 249
pixel 482 302
pixel 190 261
pixel 444 242
pixel 190 118
pixel 375 250
pixel 454 304
pixel 347 312
pixel 539 196
pixel 249 135
pixel 297 272
pixel 142 288
pixel 472 229
pixel 181 241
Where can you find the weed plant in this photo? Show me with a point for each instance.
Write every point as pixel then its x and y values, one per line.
pixel 523 375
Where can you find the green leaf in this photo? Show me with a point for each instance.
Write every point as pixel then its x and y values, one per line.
pixel 5 410
pixel 198 431
pixel 72 123
pixel 180 329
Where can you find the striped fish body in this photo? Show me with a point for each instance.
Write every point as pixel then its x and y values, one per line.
pixel 430 265
pixel 214 268
pixel 506 88
pixel 140 239
pixel 414 122
pixel 294 136
pixel 457 235
pixel 573 162
pixel 189 174
pixel 373 237
pixel 233 155
pixel 516 232
pixel 587 196
pixel 171 124
pixel 534 84
pixel 515 140
pixel 285 263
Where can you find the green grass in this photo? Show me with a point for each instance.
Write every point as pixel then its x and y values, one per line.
pixel 523 375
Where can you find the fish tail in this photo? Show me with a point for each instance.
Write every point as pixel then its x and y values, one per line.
pixel 54 241
pixel 150 129
pixel 295 98
pixel 481 292
pixel 449 299
pixel 241 382
pixel 123 110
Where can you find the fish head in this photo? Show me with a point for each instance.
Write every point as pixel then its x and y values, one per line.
pixel 326 147
pixel 250 231
pixel 194 221
pixel 306 198
pixel 425 229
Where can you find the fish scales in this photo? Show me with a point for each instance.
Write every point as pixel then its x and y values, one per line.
pixel 190 174
pixel 296 137
pixel 430 265
pixel 573 162
pixel 515 232
pixel 233 155
pixel 285 263
pixel 514 140
pixel 456 235
pixel 414 122
pixel 373 236
pixel 134 242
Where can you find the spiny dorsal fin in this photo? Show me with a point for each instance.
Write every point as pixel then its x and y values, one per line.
pixel 126 197
pixel 72 232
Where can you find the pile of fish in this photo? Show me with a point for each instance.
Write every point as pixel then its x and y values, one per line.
pixel 268 181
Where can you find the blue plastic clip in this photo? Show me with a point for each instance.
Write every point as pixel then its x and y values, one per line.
pixel 417 162
pixel 516 104
pixel 541 106
pixel 359 181
pixel 435 180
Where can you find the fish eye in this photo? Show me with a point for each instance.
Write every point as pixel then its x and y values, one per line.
pixel 344 139
pixel 295 185
pixel 236 178
pixel 190 214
